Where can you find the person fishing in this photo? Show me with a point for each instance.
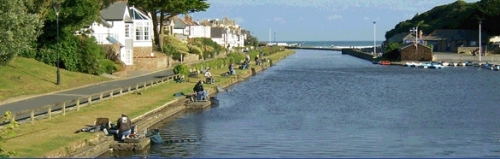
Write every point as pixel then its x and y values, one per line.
pixel 199 91
pixel 124 125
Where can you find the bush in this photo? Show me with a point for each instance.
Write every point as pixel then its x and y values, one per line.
pixel 181 70
pixel 110 53
pixel 107 66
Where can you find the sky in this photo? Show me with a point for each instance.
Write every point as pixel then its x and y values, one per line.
pixel 318 20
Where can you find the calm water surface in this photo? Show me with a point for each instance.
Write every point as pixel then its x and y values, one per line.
pixel 324 104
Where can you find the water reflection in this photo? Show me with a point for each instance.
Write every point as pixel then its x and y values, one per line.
pixel 323 104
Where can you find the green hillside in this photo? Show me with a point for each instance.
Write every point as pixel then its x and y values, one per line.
pixel 24 77
pixel 456 15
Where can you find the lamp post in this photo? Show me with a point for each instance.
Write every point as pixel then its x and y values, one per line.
pixel 57 6
pixel 274 40
pixel 480 48
pixel 374 38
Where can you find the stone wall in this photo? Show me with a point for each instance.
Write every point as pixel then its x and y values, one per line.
pixel 467 50
pixel 358 54
pixel 189 58
pixel 153 63
pixel 142 52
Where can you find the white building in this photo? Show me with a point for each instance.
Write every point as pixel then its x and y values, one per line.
pixel 126 26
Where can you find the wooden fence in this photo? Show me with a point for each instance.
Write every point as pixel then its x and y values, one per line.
pixel 77 103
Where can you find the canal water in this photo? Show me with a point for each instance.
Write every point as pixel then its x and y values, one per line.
pixel 324 104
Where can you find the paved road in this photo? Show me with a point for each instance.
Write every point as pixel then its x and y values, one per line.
pixel 37 102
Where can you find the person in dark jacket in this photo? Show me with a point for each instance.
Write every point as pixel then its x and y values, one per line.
pixel 124 125
pixel 231 69
pixel 199 91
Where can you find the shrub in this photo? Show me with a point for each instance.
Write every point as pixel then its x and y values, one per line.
pixel 107 66
pixel 181 70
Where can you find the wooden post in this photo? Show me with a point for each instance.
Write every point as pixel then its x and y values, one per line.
pixel 13 117
pixel 49 112
pixel 151 83
pixel 77 104
pixel 32 116
pixel 121 90
pixel 128 89
pixel 100 97
pixel 144 86
pixel 90 100
pixel 111 94
pixel 136 87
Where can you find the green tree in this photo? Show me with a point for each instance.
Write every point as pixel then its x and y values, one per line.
pixel 166 9
pixel 391 46
pixel 7 132
pixel 17 28
pixel 252 41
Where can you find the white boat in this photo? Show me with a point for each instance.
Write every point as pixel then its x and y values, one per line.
pixel 462 64
pixel 436 65
pixel 445 63
pixel 454 64
pixel 425 65
pixel 410 64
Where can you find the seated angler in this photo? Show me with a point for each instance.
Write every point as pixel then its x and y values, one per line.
pixel 208 77
pixel 199 92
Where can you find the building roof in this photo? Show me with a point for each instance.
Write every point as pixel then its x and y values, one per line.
pixel 455 35
pixel 216 32
pixel 116 12
pixel 413 44
pixel 138 14
pixel 401 37
pixel 179 23
pixel 104 22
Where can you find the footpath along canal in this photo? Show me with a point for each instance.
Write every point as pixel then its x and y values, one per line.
pixel 324 104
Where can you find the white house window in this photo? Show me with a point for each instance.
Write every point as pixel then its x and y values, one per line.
pixel 127 31
pixel 142 31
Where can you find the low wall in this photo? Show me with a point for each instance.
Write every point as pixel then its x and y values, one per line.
pixel 467 50
pixel 101 144
pixel 358 54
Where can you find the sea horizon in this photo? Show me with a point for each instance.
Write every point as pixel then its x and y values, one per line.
pixel 333 44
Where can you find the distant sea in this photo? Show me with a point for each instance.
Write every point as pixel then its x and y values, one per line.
pixel 333 44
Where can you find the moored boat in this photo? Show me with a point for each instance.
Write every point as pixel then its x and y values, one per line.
pixel 385 62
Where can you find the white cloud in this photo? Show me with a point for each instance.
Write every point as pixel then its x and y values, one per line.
pixel 366 18
pixel 337 5
pixel 279 20
pixel 335 17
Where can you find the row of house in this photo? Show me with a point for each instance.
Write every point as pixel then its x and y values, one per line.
pixel 225 32
pixel 444 40
pixel 130 31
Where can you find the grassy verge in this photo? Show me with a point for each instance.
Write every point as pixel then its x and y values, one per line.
pixel 49 135
pixel 24 77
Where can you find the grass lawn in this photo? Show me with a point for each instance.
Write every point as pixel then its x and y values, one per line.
pixel 49 135
pixel 25 77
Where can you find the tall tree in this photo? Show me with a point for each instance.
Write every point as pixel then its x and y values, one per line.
pixel 17 28
pixel 164 10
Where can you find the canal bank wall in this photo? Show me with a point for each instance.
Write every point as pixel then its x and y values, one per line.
pixel 101 144
pixel 358 54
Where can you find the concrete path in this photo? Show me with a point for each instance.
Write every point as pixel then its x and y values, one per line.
pixel 454 57
pixel 37 102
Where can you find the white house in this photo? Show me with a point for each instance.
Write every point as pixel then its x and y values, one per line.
pixel 112 29
pixel 142 32
pixel 126 26
pixel 199 31
pixel 180 27
pixel 218 35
